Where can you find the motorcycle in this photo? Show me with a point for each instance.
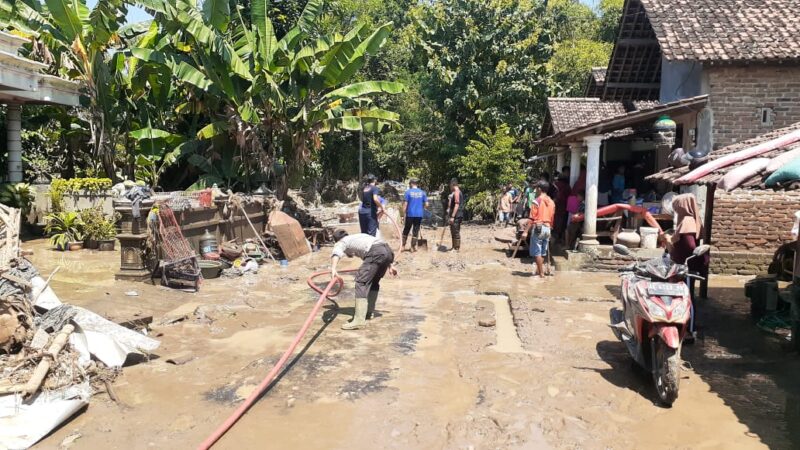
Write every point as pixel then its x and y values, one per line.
pixel 656 309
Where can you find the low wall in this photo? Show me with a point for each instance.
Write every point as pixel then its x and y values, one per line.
pixel 72 202
pixel 739 263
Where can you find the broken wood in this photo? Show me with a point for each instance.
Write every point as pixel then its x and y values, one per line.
pixel 42 369
pixel 46 283
pixel 17 280
pixel 9 235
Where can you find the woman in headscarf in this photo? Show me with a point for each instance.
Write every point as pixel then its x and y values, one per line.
pixel 687 235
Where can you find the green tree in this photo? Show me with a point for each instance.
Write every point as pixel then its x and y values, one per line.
pixel 491 160
pixel 571 63
pixel 277 97
pixel 484 64
pixel 610 14
pixel 78 43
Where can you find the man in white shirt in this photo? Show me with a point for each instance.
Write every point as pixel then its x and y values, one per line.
pixel 377 259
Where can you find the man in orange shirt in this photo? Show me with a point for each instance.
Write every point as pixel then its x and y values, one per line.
pixel 543 211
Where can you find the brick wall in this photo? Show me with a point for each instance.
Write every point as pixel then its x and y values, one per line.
pixel 738 93
pixel 748 226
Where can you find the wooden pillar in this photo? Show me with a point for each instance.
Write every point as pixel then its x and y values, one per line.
pixel 707 222
pixel 575 162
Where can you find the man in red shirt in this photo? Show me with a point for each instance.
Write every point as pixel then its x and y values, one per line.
pixel 542 215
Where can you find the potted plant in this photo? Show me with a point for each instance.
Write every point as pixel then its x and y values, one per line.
pixel 76 240
pixel 99 230
pixel 64 229
pixel 106 238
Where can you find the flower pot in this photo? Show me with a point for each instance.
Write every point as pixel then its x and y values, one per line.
pixel 73 246
pixel 61 248
pixel 629 238
pixel 106 245
pixel 91 244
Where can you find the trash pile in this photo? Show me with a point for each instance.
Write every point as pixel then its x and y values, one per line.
pixel 53 356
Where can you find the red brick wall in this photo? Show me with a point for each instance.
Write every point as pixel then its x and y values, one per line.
pixel 738 93
pixel 748 226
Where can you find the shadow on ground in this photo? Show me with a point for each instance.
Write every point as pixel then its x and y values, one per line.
pixel 751 371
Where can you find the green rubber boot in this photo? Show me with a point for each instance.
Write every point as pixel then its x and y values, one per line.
pixel 372 298
pixel 359 320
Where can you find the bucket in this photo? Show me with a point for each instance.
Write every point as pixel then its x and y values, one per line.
pixel 649 237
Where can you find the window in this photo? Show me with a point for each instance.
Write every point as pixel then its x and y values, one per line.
pixel 765 115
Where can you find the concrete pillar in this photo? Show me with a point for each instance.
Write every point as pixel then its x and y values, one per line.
pixel 561 161
pixel 14 142
pixel 576 148
pixel 593 144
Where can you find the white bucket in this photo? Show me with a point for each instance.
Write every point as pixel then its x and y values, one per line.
pixel 649 237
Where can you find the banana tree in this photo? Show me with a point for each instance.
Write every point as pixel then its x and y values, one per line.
pixel 275 97
pixel 79 43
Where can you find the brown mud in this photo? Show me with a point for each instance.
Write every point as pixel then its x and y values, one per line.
pixel 424 374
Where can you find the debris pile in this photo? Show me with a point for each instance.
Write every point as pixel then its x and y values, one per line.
pixel 53 356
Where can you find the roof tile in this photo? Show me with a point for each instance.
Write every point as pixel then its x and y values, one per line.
pixel 728 30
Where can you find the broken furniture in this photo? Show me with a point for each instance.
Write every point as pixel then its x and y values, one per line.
pixel 177 260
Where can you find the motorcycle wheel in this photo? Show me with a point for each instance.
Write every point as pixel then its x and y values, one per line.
pixel 666 373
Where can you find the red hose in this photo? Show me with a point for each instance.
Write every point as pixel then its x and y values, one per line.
pixel 323 294
pixel 615 208
pixel 326 293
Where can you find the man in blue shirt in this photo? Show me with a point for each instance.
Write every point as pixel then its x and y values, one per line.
pixel 414 204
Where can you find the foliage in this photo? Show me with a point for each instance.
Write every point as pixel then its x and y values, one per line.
pixel 17 195
pixel 483 204
pixel 63 227
pixel 274 98
pixel 572 61
pixel 59 187
pixel 485 67
pixel 96 225
pixel 490 161
pixel 245 92
pixel 78 43
pixel 610 13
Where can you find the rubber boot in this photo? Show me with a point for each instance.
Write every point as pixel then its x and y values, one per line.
pixel 372 298
pixel 405 238
pixel 413 244
pixel 359 317
pixel 456 244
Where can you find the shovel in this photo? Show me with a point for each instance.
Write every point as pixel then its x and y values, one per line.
pixel 439 245
pixel 422 243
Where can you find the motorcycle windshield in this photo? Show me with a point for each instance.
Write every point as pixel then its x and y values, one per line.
pixel 660 268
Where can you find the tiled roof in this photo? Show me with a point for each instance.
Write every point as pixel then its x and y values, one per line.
pixel 570 113
pixel 671 174
pixel 599 74
pixel 576 118
pixel 726 30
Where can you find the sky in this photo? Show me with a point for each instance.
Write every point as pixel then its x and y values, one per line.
pixel 134 14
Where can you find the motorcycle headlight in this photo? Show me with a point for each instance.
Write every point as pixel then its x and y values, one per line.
pixel 655 310
pixel 679 310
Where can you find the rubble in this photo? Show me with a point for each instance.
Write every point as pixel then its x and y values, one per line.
pixel 51 354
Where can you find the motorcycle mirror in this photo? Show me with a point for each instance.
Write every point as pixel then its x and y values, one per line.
pixel 622 250
pixel 701 250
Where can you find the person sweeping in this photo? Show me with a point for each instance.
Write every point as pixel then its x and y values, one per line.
pixel 378 259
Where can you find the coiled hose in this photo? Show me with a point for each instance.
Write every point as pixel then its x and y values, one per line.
pixel 327 293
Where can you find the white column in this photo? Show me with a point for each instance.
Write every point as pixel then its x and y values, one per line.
pixel 592 178
pixel 560 161
pixel 14 142
pixel 575 162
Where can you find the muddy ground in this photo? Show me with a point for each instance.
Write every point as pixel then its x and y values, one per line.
pixel 425 374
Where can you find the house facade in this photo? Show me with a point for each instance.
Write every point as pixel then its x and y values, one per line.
pixel 723 70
